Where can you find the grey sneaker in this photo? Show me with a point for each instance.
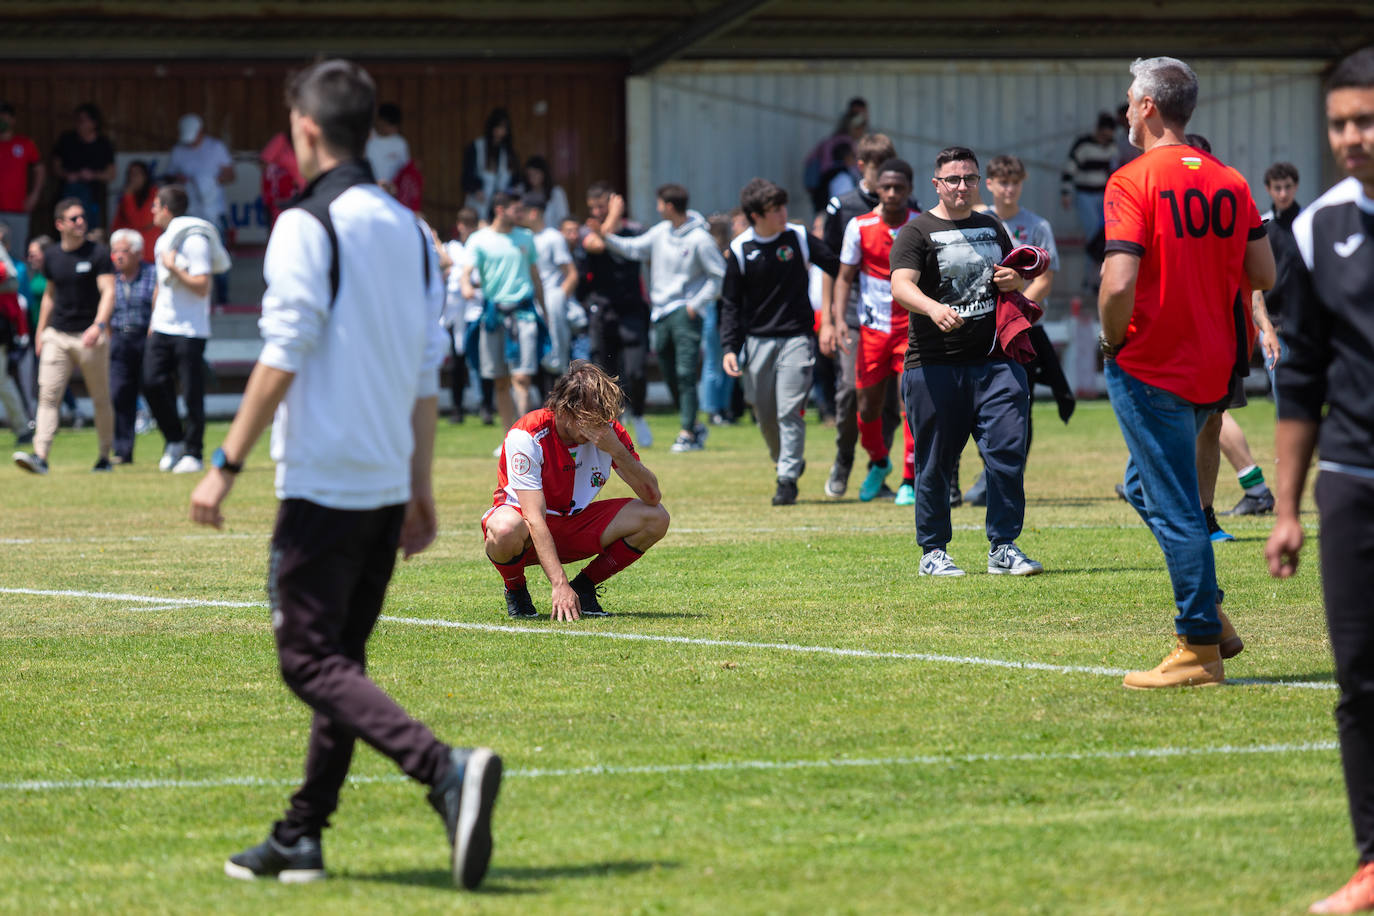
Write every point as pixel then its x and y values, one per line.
pixel 685 442
pixel 937 563
pixel 270 859
pixel 30 462
pixel 464 798
pixel 1253 505
pixel 838 482
pixel 1009 560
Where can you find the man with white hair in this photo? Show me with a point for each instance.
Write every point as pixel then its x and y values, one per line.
pixel 135 283
pixel 1183 238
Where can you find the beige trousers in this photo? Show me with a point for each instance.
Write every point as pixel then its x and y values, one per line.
pixel 61 353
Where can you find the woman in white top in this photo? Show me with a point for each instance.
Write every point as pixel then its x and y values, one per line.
pixel 489 162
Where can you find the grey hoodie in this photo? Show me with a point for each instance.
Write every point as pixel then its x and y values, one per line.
pixel 685 268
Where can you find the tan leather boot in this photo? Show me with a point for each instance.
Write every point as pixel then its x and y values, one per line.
pixel 1189 665
pixel 1231 643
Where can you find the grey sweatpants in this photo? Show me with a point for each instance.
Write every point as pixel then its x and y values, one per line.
pixel 777 380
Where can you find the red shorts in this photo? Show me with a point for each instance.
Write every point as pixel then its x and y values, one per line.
pixel 880 357
pixel 577 536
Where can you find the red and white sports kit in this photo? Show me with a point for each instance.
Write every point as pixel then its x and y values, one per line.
pixel 533 457
pixel 882 323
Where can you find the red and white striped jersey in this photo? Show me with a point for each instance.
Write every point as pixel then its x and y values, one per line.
pixel 867 243
pixel 534 458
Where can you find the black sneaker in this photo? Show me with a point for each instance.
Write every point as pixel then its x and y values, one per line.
pixel 520 604
pixel 30 462
pixel 587 597
pixel 464 798
pixel 270 859
pixel 1214 530
pixel 1253 505
pixel 786 494
pixel 102 465
pixel 838 481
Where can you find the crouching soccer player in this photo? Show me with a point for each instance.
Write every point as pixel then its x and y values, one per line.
pixel 553 463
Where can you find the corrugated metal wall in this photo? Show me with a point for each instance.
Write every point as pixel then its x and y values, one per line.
pixel 714 125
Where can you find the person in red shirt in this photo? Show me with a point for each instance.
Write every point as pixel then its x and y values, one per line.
pixel 554 462
pixel 21 179
pixel 1182 236
pixel 135 209
pixel 864 256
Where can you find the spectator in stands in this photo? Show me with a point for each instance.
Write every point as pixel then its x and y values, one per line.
pixel 580 347
pixel 618 316
pixel 188 254
pixel 84 159
pixel 559 276
pixel 489 162
pixel 21 179
pixel 461 315
pixel 135 210
pixel 387 151
pixel 536 178
pixel 716 387
pixel 135 282
pixel 1084 181
pixel 202 165
pixel 281 176
pixel 73 331
pixel 32 283
pixel 826 157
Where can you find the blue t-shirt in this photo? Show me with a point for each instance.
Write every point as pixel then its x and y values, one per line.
pixel 503 260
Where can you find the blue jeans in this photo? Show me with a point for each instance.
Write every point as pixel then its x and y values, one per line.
pixel 1161 430
pixel 947 404
pixel 716 387
pixel 1283 354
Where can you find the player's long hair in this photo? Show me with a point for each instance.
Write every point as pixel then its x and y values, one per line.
pixel 586 395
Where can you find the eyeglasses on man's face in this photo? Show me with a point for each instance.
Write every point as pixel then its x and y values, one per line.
pixel 78 218
pixel 953 181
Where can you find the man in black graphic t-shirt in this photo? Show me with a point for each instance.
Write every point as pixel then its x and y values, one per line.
pixel 956 382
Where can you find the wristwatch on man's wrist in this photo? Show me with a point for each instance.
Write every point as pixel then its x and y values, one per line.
pixel 220 461
pixel 1109 350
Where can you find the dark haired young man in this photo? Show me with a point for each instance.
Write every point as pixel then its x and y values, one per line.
pixel 839 339
pixel 617 316
pixel 766 324
pixel 956 381
pixel 1326 405
pixel 865 257
pixel 349 367
pixel 73 330
pixel 685 273
pixel 554 462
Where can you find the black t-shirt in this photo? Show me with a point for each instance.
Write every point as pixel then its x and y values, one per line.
pixel 956 261
pixel 75 295
pixel 76 154
pixel 766 288
pixel 613 282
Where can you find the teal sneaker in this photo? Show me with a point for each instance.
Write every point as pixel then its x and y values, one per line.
pixel 873 482
pixel 906 495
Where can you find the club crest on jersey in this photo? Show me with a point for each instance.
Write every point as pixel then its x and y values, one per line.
pixel 785 253
pixel 598 478
pixel 519 463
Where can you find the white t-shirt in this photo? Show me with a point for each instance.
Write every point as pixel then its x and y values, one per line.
pixel 178 311
pixel 201 164
pixel 387 155
pixel 551 253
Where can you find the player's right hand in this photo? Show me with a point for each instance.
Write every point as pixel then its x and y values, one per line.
pixel 827 340
pixel 1282 549
pixel 564 603
pixel 947 319
pixel 730 363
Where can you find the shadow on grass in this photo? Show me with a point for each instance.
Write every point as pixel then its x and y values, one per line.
pixel 513 880
pixel 662 615
pixel 1325 677
pixel 1075 570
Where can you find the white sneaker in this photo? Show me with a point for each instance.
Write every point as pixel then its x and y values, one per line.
pixel 1008 560
pixel 188 464
pixel 938 563
pixel 643 435
pixel 171 455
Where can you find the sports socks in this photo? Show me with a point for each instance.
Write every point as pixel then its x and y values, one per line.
pixel 610 561
pixel 513 573
pixel 1252 480
pixel 871 438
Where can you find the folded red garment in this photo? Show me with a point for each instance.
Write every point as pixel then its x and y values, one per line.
pixel 1016 313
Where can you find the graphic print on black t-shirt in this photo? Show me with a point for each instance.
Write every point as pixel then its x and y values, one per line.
pixel 967 258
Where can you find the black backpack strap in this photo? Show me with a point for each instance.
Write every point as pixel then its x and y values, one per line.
pixel 424 248
pixel 319 208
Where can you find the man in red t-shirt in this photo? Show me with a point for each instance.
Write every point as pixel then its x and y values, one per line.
pixel 1183 236
pixel 21 180
pixel 554 462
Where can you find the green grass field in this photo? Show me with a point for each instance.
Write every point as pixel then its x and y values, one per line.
pixel 798 725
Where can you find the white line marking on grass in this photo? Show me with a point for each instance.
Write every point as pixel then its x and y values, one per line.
pixel 1143 753
pixel 672 640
